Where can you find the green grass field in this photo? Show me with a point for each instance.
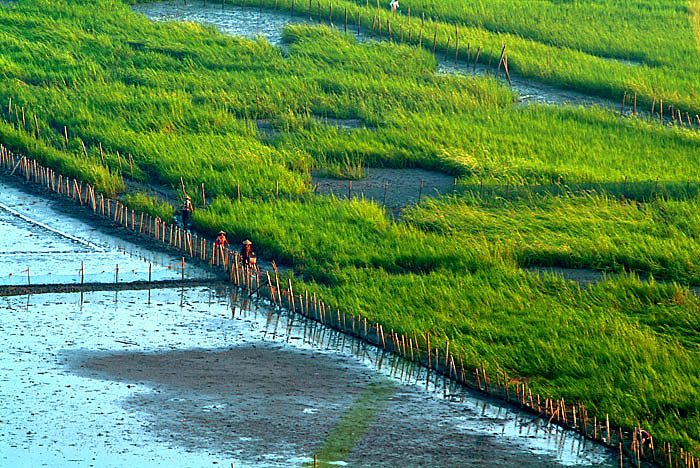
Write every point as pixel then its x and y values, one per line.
pixel 182 100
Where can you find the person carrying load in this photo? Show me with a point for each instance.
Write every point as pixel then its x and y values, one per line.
pixel 247 255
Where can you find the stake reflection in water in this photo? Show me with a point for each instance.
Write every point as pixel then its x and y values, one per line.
pixel 494 417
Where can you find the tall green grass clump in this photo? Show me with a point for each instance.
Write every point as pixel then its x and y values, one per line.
pixel 140 201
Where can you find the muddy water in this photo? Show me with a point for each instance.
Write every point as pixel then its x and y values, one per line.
pixel 245 22
pixel 198 378
pixel 53 246
pixel 252 22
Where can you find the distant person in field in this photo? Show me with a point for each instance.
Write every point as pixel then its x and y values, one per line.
pixel 186 211
pixel 247 253
pixel 394 6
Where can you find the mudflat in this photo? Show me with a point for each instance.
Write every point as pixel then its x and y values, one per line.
pixel 256 400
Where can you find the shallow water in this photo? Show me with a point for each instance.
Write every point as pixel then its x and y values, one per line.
pixel 236 21
pixel 35 235
pixel 55 416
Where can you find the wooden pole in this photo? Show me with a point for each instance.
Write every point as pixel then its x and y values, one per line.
pixel 505 67
pixel 456 43
pixel 427 341
pixel 500 60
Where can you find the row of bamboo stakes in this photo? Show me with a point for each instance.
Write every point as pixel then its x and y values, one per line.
pixel 281 294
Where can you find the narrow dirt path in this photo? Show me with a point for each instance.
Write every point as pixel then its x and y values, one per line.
pixel 14 290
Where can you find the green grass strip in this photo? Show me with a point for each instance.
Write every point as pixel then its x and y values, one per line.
pixel 354 423
pixel 694 7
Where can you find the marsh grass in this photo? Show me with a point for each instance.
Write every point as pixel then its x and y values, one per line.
pixel 148 204
pixel 603 48
pixel 184 100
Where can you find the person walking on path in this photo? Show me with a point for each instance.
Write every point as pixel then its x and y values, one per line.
pixel 186 211
pixel 221 244
pixel 221 240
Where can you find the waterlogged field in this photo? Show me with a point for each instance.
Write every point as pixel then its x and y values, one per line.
pixel 182 100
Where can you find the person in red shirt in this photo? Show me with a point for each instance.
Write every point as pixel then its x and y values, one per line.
pixel 247 252
pixel 221 240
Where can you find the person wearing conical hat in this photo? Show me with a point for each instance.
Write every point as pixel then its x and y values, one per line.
pixel 221 240
pixel 247 252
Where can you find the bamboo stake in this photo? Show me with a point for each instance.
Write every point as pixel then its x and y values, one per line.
pixel 427 341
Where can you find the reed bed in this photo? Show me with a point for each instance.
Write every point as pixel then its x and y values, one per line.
pixel 656 239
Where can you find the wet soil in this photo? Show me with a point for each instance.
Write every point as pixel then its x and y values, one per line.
pixel 54 238
pixel 279 392
pixel 254 393
pixel 586 278
pixel 88 287
pixel 197 377
pixel 583 277
pixel 267 129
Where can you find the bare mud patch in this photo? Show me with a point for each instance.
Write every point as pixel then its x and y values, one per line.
pixel 402 186
pixel 586 277
pixel 258 392
pixel 262 400
pixel 267 128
